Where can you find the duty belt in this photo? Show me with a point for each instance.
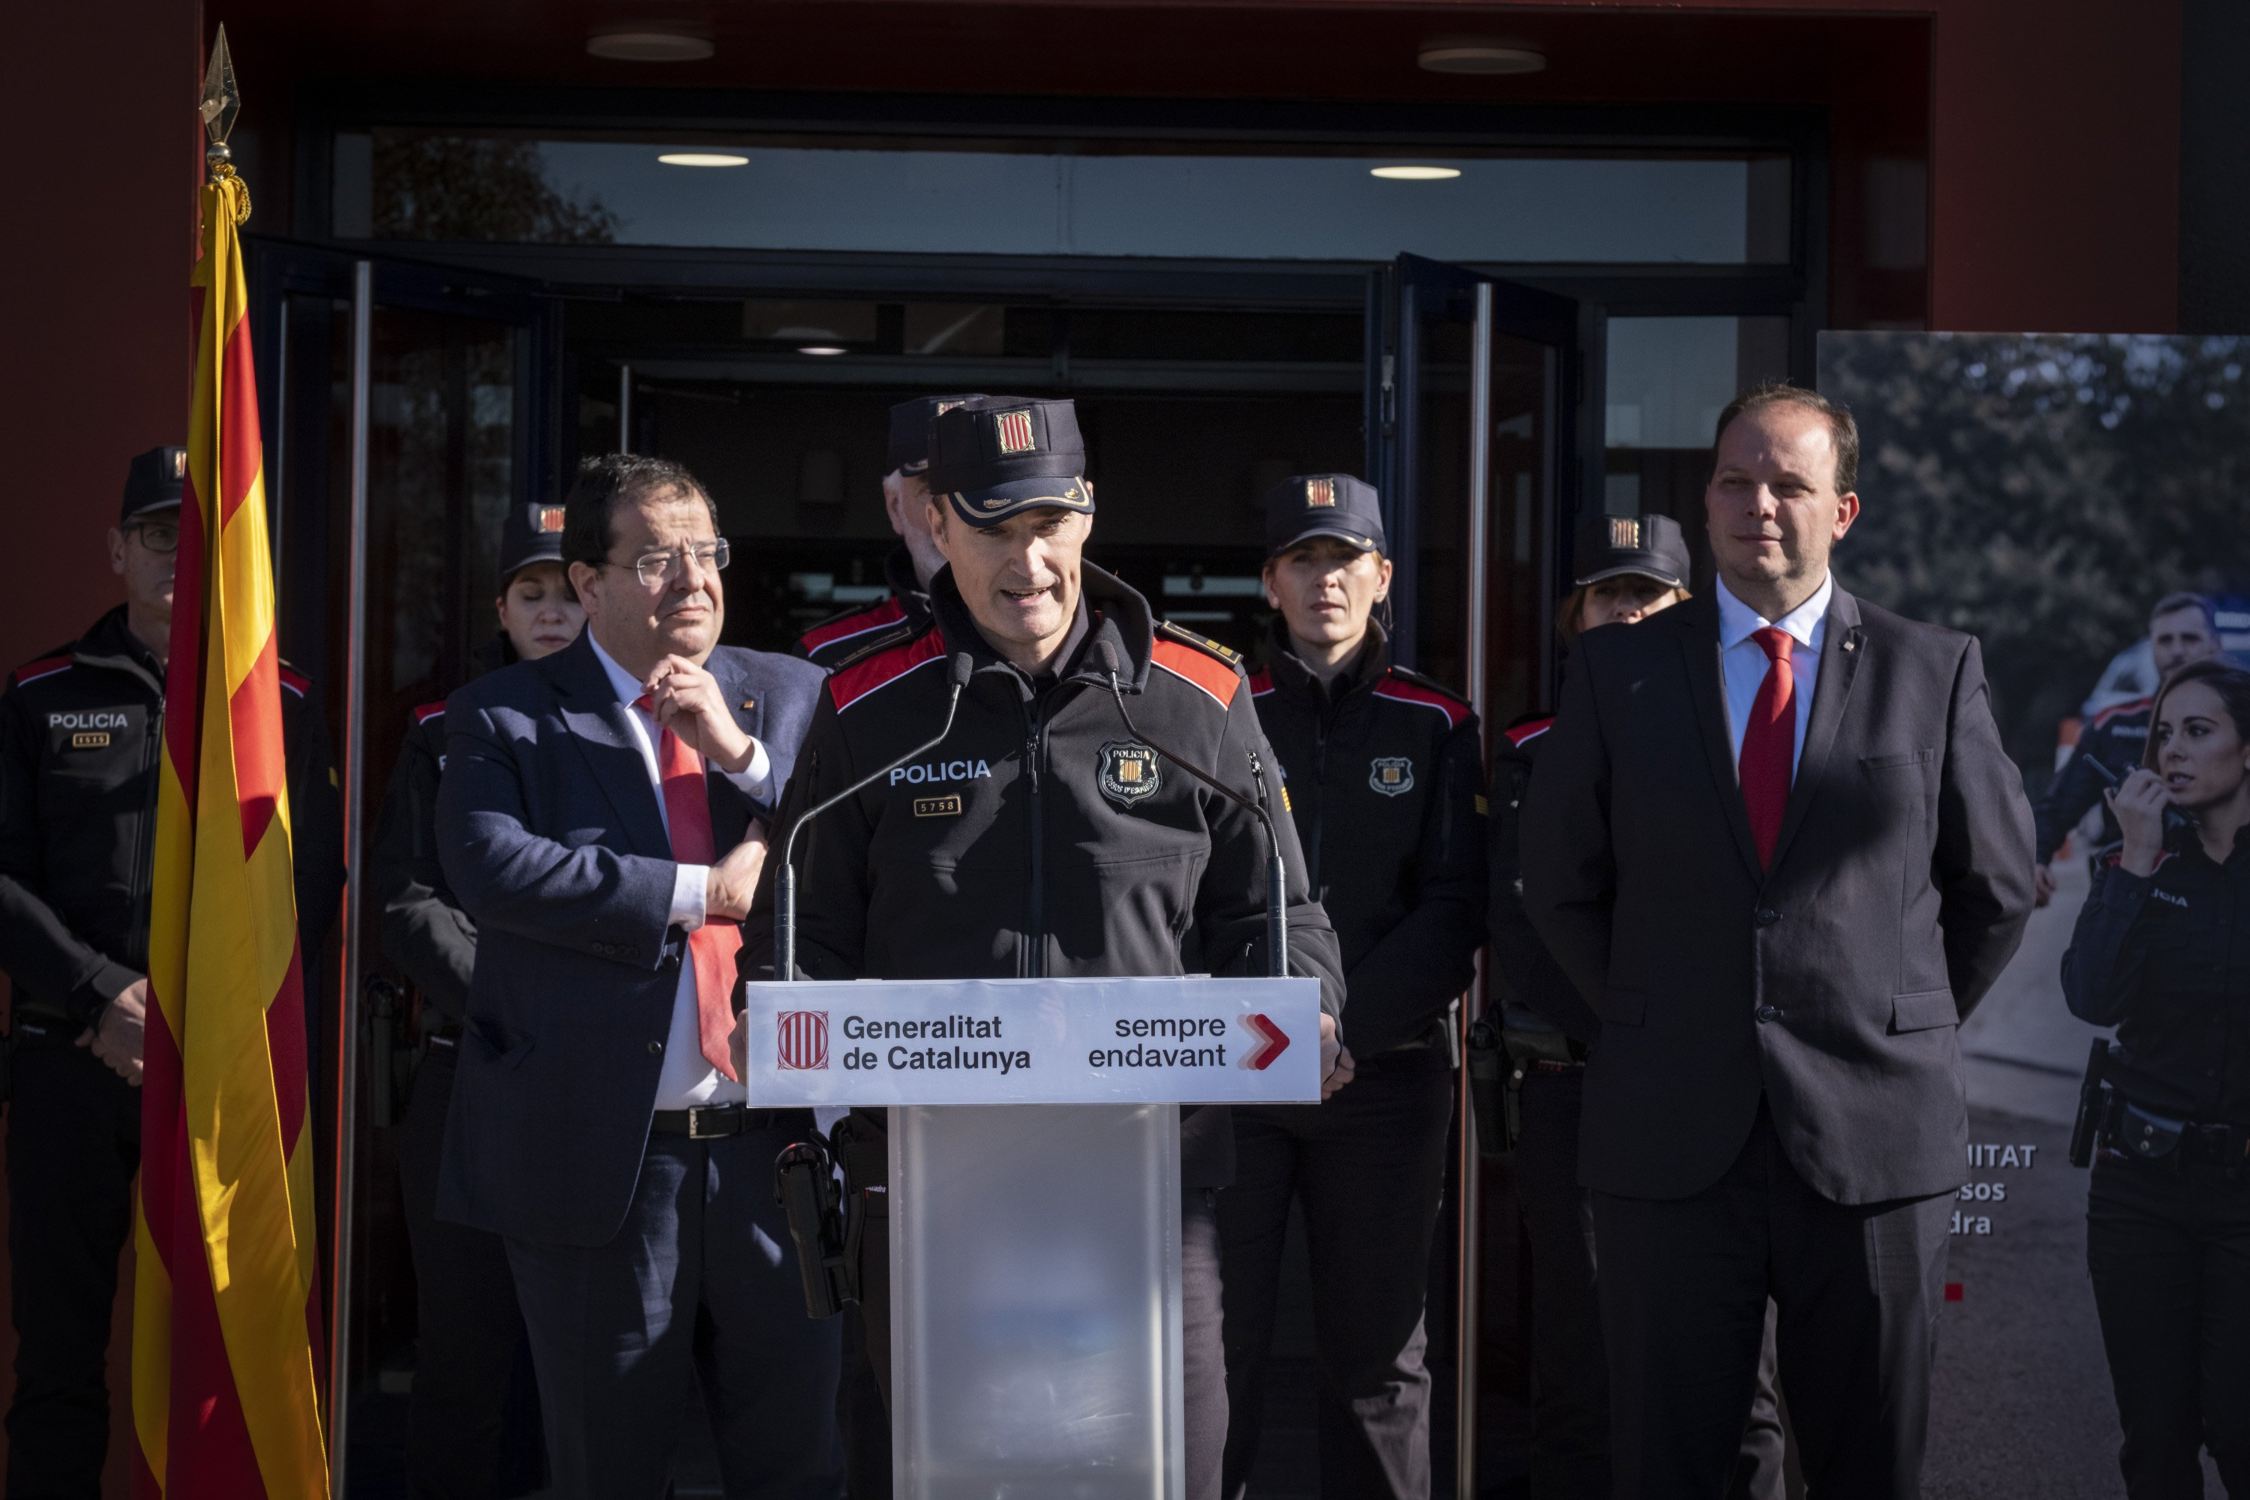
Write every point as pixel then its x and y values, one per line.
pixel 712 1122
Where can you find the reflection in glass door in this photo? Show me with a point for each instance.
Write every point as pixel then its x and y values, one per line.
pixel 404 403
pixel 1472 451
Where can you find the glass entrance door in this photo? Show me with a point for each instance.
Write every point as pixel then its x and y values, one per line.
pixel 1472 397
pixel 408 409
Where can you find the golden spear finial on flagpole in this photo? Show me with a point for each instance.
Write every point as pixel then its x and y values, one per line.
pixel 221 102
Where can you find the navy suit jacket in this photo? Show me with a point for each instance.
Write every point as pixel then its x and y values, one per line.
pixel 550 833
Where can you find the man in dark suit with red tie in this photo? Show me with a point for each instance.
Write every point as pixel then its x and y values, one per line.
pixel 601 819
pixel 1775 842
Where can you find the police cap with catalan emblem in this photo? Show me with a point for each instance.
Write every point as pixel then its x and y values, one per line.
pixel 910 430
pixel 531 534
pixel 153 480
pixel 1652 546
pixel 1310 505
pixel 993 457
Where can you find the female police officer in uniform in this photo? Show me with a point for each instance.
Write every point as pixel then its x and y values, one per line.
pixel 472 1428
pixel 2162 950
pixel 1384 772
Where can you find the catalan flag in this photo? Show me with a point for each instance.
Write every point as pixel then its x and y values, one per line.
pixel 226 1315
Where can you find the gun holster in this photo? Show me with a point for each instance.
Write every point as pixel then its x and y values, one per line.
pixel 804 1184
pixel 2097 1102
pixel 390 1053
pixel 1492 1098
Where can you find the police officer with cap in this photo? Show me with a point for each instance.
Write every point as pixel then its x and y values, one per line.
pixel 81 738
pixel 1626 569
pixel 1384 770
pixel 472 1418
pixel 1046 838
pixel 908 569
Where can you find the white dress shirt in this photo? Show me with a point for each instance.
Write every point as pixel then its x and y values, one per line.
pixel 1743 662
pixel 688 1078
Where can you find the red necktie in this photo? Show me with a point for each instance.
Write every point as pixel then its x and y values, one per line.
pixel 1769 743
pixel 711 947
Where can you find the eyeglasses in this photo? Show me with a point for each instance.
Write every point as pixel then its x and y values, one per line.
pixel 162 537
pixel 653 568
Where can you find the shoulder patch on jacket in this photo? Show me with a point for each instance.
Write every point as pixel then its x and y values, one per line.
pixel 425 712
pixel 1401 686
pixel 837 629
pixel 859 648
pixel 1524 733
pixel 2119 710
pixel 1199 664
pixel 1187 637
pixel 1261 683
pixel 292 679
pixel 879 669
pixel 32 671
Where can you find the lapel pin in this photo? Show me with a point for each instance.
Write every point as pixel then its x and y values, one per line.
pixel 749 703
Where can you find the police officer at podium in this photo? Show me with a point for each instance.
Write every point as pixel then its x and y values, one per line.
pixel 81 738
pixel 1385 775
pixel 472 1419
pixel 908 569
pixel 1055 842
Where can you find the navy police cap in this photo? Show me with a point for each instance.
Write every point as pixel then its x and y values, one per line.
pixel 910 430
pixel 531 534
pixel 1310 505
pixel 1650 545
pixel 992 457
pixel 153 480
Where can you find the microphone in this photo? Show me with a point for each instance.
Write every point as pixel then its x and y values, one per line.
pixel 1277 900
pixel 958 668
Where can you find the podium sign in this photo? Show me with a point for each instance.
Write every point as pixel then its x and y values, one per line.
pixel 1034 1041
pixel 1033 1207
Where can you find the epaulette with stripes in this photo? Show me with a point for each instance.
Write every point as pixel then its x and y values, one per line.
pixel 292 679
pixel 1197 659
pixel 2115 710
pixel 852 622
pixel 1524 731
pixel 32 671
pixel 868 673
pixel 1401 686
pixel 882 640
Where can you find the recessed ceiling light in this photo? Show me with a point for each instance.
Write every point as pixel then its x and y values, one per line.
pixel 1414 173
pixel 649 46
pixel 702 159
pixel 822 349
pixel 1489 59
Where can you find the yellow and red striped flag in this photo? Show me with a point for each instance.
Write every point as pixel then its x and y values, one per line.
pixel 226 1313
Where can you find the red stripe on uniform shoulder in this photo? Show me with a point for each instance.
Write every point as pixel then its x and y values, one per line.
pixel 1400 690
pixel 32 671
pixel 883 668
pixel 297 682
pixel 1261 683
pixel 2116 709
pixel 858 622
pixel 1206 671
pixel 425 712
pixel 1520 735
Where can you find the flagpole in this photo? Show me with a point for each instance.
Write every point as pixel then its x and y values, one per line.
pixel 355 772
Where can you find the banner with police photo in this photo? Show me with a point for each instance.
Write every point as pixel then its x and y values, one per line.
pixel 2047 493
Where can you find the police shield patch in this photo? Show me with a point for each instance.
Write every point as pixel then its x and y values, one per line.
pixel 1129 772
pixel 1392 775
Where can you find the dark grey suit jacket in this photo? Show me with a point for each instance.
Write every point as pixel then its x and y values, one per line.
pixel 552 838
pixel 1832 985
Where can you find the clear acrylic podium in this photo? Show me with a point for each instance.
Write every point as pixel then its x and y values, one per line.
pixel 1035 1202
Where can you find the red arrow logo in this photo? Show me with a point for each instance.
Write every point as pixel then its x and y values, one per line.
pixel 1272 1041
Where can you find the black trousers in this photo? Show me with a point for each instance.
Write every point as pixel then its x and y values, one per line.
pixel 1203 1374
pixel 2169 1249
pixel 74 1141
pixel 1570 1377
pixel 1368 1168
pixel 472 1422
pixel 1684 1287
